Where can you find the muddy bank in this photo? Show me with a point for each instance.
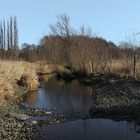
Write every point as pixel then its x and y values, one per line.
pixel 119 99
pixel 88 79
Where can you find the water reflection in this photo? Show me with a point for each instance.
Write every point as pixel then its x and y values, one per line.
pixel 74 100
pixel 90 129
pixel 31 98
pixel 71 99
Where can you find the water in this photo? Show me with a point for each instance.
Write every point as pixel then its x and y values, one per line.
pixel 70 99
pixel 90 129
pixel 73 100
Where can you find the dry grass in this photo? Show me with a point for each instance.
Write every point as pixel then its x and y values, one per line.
pixel 6 92
pixel 23 72
pixel 10 72
pixel 42 66
pixel 118 67
pixel 30 80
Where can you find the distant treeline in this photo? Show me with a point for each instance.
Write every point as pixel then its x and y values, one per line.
pixel 79 50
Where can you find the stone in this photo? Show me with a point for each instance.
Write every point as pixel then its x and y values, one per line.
pixel 21 117
pixel 48 112
pixel 34 122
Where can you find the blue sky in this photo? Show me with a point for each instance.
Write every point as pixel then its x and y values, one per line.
pixel 113 20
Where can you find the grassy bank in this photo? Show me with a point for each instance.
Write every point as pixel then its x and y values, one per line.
pixel 17 77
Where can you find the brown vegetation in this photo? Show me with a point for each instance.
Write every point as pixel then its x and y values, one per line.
pixel 78 50
pixel 83 52
pixel 29 80
pixel 10 72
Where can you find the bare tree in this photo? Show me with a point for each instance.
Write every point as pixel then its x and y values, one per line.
pixel 8 39
pixel 63 28
pixel 4 38
pixel 11 33
pixel 15 39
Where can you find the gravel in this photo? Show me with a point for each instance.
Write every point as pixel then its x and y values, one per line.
pixel 12 129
